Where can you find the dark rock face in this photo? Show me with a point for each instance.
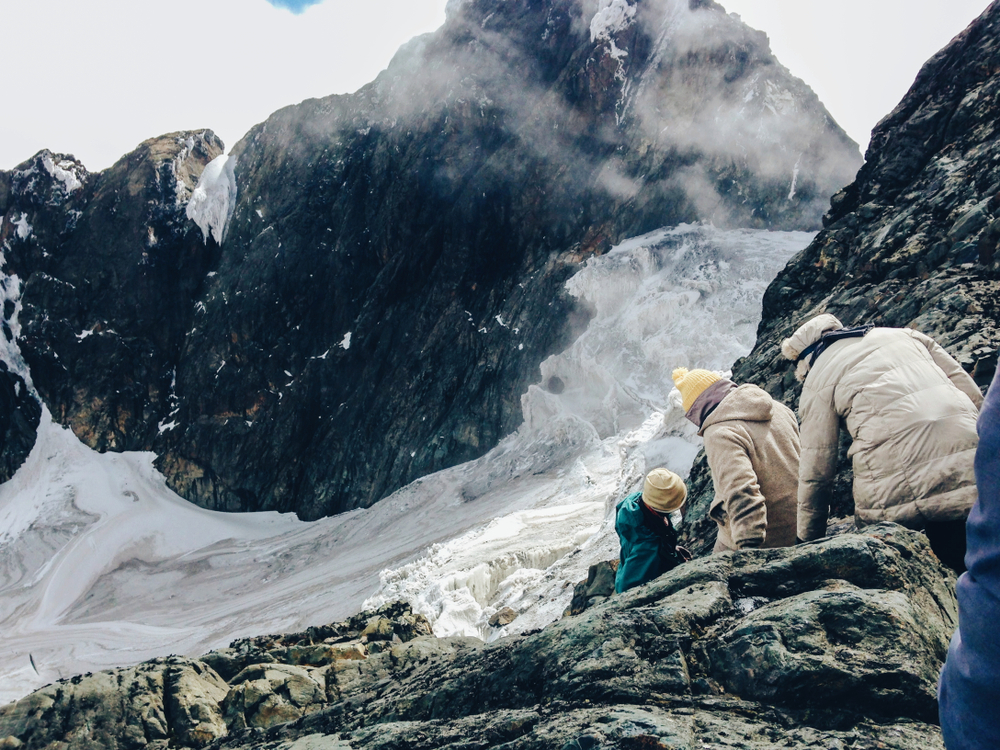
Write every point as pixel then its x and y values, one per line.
pixel 837 643
pixel 110 268
pixel 392 272
pixel 19 417
pixel 910 243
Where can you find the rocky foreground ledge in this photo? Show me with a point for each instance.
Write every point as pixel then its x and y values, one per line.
pixel 835 644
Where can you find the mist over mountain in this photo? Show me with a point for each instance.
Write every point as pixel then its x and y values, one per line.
pixel 362 291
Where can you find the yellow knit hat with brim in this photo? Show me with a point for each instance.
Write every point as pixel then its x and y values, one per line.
pixel 664 491
pixel 691 383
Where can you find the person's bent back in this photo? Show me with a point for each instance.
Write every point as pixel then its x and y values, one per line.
pixel 752 446
pixel 911 411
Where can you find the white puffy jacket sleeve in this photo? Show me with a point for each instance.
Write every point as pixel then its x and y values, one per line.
pixel 819 426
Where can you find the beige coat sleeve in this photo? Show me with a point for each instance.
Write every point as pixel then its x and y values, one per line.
pixel 950 366
pixel 819 428
pixel 737 491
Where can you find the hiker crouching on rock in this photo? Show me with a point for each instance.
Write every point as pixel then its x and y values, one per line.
pixel 969 690
pixel 911 411
pixel 752 445
pixel 646 523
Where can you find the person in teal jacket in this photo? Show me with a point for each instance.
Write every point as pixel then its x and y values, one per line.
pixel 647 535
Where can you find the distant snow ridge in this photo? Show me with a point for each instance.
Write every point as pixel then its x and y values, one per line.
pixel 214 199
pixel 612 16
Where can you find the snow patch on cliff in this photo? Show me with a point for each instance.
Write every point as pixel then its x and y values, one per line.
pixel 65 172
pixel 214 199
pixel 795 178
pixel 10 353
pixel 23 227
pixel 611 17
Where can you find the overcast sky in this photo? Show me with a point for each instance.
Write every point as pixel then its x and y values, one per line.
pixel 95 79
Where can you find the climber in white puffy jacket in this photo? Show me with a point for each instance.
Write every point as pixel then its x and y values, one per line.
pixel 911 412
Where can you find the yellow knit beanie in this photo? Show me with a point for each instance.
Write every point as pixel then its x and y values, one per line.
pixel 691 383
pixel 664 491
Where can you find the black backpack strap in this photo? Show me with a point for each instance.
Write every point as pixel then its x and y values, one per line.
pixel 819 346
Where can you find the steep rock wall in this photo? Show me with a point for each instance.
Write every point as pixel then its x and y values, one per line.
pixel 99 280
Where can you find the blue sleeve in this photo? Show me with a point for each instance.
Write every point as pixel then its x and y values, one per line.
pixel 983 530
pixel 969 690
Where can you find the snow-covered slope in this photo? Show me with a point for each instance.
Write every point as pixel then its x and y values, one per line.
pixel 101 565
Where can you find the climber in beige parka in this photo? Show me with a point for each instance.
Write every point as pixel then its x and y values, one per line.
pixel 752 445
pixel 911 412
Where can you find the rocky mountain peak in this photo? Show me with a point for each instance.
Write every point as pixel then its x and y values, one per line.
pixel 48 179
pixel 378 276
pixel 84 254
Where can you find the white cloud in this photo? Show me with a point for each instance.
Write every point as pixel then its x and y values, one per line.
pixel 859 56
pixel 96 79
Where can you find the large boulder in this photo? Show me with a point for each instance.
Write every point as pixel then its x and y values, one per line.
pixel 171 700
pixel 264 695
pixel 832 644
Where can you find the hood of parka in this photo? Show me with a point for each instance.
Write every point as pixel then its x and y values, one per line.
pixel 746 403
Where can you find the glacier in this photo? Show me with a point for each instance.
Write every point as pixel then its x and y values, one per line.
pixel 101 565
pixel 213 201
